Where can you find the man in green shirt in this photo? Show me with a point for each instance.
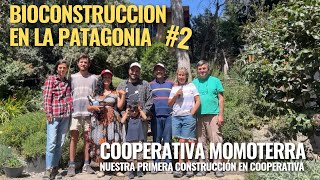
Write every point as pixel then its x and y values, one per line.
pixel 210 113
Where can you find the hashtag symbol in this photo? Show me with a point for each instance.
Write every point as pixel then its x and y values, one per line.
pixel 171 38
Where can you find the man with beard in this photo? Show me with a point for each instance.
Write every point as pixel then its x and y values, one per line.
pixel 82 85
pixel 137 91
pixel 210 113
pixel 161 122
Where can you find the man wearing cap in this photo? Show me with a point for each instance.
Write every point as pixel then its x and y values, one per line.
pixel 161 122
pixel 137 90
pixel 210 113
pixel 82 85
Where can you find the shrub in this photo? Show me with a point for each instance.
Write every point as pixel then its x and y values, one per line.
pixel 10 108
pixel 34 145
pixel 32 98
pixel 284 48
pixel 239 116
pixel 311 172
pixel 14 132
pixel 5 153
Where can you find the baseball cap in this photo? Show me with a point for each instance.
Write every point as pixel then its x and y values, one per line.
pixel 159 64
pixel 135 64
pixel 106 71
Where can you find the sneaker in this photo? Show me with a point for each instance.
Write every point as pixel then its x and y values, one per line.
pixel 189 174
pixel 139 173
pixel 87 169
pixel 130 175
pixel 100 174
pixel 153 171
pixel 177 174
pixel 55 173
pixel 219 174
pixel 47 174
pixel 71 171
pixel 201 173
pixel 119 174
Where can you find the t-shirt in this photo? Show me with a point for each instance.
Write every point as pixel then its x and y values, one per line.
pixel 135 130
pixel 160 95
pixel 184 103
pixel 132 93
pixel 209 89
pixel 82 87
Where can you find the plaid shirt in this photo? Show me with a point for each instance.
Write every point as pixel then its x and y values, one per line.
pixel 57 99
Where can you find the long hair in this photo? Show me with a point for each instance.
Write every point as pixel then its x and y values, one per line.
pixel 100 87
pixel 60 61
pixel 186 74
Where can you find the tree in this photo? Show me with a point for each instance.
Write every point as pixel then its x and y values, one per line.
pixel 178 20
pixel 157 53
pixel 285 70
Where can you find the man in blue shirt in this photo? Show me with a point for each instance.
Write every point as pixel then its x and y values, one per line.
pixel 161 122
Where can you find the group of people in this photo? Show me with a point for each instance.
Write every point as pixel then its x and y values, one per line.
pixel 189 111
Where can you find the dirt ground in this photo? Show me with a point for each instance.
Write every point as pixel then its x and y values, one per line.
pixel 147 176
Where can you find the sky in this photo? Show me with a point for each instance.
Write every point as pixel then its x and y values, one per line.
pixel 195 6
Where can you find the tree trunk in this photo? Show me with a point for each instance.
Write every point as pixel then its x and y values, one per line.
pixel 225 66
pixel 178 20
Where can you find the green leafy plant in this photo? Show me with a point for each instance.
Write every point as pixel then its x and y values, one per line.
pixel 311 172
pixel 14 132
pixel 239 116
pixel 5 153
pixel 34 145
pixel 10 108
pixel 282 62
pixel 13 162
pixel 157 53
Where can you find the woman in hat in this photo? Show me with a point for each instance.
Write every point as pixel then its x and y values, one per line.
pixel 106 125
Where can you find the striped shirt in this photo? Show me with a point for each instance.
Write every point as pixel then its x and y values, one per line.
pixel 82 87
pixel 184 103
pixel 160 95
pixel 57 100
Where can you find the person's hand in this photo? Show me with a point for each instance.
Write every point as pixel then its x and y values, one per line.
pixel 49 118
pixel 220 120
pixel 96 108
pixel 121 93
pixel 179 93
pixel 139 108
pixel 193 112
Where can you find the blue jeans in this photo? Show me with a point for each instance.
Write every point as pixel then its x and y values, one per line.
pixel 162 129
pixel 56 133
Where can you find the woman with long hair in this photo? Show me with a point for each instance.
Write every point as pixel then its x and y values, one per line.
pixel 57 104
pixel 106 125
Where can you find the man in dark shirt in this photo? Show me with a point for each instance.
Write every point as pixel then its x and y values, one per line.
pixel 137 90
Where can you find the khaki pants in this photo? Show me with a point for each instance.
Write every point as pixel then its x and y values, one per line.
pixel 208 130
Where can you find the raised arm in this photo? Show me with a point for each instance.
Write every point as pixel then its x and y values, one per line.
pixel 125 116
pixel 121 99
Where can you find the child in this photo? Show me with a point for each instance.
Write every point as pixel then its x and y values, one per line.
pixel 134 117
pixel 184 98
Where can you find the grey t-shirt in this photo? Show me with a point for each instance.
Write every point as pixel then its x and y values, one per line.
pixel 82 87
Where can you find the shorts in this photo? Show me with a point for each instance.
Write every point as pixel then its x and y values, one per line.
pixel 80 122
pixel 184 127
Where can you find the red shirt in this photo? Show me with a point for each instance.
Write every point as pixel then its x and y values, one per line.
pixel 57 99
